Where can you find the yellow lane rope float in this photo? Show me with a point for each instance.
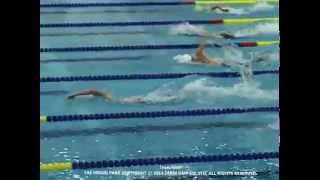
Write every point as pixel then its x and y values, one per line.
pixel 235 2
pixel 267 43
pixel 43 119
pixel 56 167
pixel 247 20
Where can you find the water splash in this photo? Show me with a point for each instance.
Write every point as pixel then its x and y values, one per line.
pixel 237 11
pixel 275 125
pixel 261 6
pixel 259 29
pixel 268 57
pixel 183 59
pixel 258 7
pixel 187 29
pixel 202 87
pixel 206 88
pixel 192 30
pixel 234 54
pixel 167 93
pixel 275 56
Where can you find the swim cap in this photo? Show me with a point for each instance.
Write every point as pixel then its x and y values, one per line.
pixel 185 58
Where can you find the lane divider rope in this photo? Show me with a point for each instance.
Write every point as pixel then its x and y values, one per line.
pixel 155 47
pixel 154 114
pixel 149 76
pixel 151 23
pixel 76 5
pixel 61 166
pixel 176 3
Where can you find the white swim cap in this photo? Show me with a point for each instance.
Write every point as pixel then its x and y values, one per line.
pixel 185 58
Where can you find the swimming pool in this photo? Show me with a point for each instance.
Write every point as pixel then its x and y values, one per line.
pixel 154 137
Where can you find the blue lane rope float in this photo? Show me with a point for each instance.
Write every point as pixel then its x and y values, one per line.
pixel 76 5
pixel 155 47
pixel 109 11
pixel 154 114
pixel 93 59
pixel 53 92
pixel 152 23
pixel 184 127
pixel 62 166
pixel 100 33
pixel 149 76
pixel 103 24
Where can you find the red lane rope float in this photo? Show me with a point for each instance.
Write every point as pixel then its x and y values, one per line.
pixel 215 21
pixel 248 44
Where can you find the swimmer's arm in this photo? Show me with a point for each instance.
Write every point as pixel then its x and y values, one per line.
pixel 260 59
pixel 214 62
pixel 231 63
pixel 216 7
pixel 92 92
pixel 202 45
pixel 220 8
pixel 227 35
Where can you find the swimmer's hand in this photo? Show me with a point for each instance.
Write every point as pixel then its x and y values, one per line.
pixel 226 35
pixel 71 97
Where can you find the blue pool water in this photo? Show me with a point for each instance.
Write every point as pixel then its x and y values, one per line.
pixel 143 138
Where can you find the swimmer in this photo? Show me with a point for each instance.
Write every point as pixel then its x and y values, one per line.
pixel 91 92
pixel 227 35
pixel 187 29
pixel 221 35
pixel 200 56
pixel 224 35
pixel 228 10
pixel 246 72
pixel 127 100
pixel 219 8
pixel 265 57
pixel 105 95
pixel 246 67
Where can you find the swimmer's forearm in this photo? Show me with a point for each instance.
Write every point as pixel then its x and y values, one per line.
pixel 82 94
pixel 213 61
pixel 232 63
pixel 259 59
pixel 86 93
pixel 78 94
